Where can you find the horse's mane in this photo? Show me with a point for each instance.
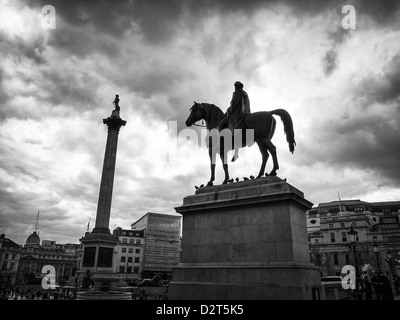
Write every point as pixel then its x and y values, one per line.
pixel 213 113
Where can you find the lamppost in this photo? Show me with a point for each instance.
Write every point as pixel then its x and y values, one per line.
pixel 375 246
pixel 76 280
pixel 389 256
pixel 353 237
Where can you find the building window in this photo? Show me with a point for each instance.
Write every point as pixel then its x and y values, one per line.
pixel 122 269
pixel 129 270
pixel 354 224
pixel 342 225
pixel 347 258
pixel 335 259
pixel 123 250
pixel 374 237
pixel 344 236
pixel 316 241
pixel 136 259
pixel 331 226
pixel 135 269
pixel 122 259
pixel 130 250
pixel 11 266
pixel 124 233
pixel 131 241
pixel 333 237
pixel 124 240
pixel 13 256
pixel 137 250
pixel 138 241
pixel 129 259
pixel 6 256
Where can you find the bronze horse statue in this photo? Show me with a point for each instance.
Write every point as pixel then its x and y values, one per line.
pixel 263 124
pixel 154 282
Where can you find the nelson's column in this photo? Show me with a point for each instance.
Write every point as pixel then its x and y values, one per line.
pixel 100 243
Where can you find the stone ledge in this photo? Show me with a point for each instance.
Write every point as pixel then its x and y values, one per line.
pixel 269 189
pixel 246 265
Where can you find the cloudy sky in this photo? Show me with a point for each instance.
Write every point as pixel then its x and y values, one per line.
pixel 341 87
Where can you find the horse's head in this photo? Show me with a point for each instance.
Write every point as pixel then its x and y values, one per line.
pixel 196 114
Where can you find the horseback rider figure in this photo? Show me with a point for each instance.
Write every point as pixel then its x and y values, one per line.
pixel 238 109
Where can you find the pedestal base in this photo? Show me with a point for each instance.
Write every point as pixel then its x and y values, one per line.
pixel 278 281
pixel 98 259
pixel 246 240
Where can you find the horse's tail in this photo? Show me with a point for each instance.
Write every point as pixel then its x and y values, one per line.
pixel 287 125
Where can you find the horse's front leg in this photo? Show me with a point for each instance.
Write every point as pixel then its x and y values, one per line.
pixel 224 156
pixel 226 174
pixel 210 183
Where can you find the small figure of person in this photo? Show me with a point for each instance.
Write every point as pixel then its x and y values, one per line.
pixel 368 288
pixel 377 285
pixel 387 288
pixel 142 294
pixel 116 103
pixel 396 283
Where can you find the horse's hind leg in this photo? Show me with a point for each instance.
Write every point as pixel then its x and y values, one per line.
pixel 212 155
pixel 265 155
pixel 272 149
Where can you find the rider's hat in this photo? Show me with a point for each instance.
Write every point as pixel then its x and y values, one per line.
pixel 239 85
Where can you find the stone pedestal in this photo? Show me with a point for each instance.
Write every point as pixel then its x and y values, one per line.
pixel 246 240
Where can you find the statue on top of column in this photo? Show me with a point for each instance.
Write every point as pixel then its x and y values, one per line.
pixel 116 103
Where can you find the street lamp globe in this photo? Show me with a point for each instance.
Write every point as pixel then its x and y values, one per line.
pixel 375 246
pixel 353 234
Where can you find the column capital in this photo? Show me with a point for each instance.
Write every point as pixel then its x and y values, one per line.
pixel 114 122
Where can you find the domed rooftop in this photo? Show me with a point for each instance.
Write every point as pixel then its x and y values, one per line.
pixel 33 239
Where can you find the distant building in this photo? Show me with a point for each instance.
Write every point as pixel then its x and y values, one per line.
pixel 129 253
pixel 34 256
pixel 328 226
pixel 10 253
pixel 162 243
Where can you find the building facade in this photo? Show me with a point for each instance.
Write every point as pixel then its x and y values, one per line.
pixel 162 244
pixel 377 243
pixel 21 264
pixel 10 253
pixel 129 253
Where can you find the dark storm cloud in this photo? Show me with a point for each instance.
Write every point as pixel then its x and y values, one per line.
pixel 367 139
pixel 385 87
pixel 71 87
pixel 337 38
pixel 160 19
pixel 383 12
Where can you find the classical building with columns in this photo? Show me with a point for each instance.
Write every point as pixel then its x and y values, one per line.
pixel 35 255
pixel 376 230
